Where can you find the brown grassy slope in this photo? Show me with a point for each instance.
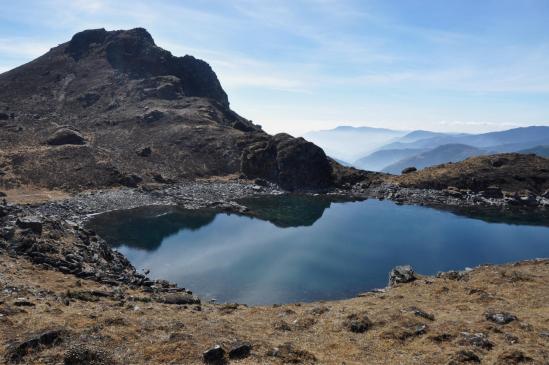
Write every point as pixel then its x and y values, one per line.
pixel 132 330
pixel 509 171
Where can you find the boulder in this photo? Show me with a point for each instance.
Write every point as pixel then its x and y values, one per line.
pixel 180 298
pixel 153 116
pixel 144 152
pixel 292 163
pixel 214 355
pixel 493 192
pixel 401 274
pixel 4 116
pixel 408 170
pixel 66 136
pixel 32 222
pixel 240 350
pixel 476 339
pixel 131 181
pixel 500 317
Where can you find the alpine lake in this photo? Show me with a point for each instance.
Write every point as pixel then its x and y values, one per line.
pixel 300 248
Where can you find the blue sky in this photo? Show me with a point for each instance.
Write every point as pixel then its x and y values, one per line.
pixel 468 65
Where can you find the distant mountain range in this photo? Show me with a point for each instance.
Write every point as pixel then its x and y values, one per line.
pixel 391 151
pixel 351 143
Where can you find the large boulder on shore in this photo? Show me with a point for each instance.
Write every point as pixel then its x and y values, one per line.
pixel 293 163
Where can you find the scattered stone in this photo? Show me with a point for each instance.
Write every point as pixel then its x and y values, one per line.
pixel 87 355
pixel 443 337
pixel 2 194
pixel 153 116
pixel 88 99
pixel 16 352
pixel 408 170
pixel 23 302
pixel 288 354
pixel 511 339
pixel 499 161
pixel 4 116
pixel 144 152
pixel 500 317
pixel 464 356
pixel 318 311
pixel 512 357
pixel 240 350
pixel 544 334
pixel 131 181
pixel 452 275
pixel 401 274
pixel 421 313
pixel 357 323
pixel 493 192
pixel 476 339
pixel 261 182
pixel 66 136
pixel 33 223
pixel 214 355
pixel 180 298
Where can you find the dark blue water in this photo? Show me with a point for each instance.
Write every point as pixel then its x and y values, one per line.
pixel 305 249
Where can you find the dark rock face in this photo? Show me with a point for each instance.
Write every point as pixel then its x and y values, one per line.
pixel 293 163
pixel 401 274
pixel 65 136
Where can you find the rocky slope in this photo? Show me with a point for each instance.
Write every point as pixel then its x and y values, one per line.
pixel 511 172
pixel 111 108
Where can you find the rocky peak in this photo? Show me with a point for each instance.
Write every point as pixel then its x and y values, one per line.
pixel 133 52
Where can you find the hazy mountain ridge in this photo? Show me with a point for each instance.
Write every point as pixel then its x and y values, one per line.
pixel 351 143
pixel 426 148
pixel 439 155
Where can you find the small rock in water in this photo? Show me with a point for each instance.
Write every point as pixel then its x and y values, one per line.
pixel 214 355
pixel 500 317
pixel 240 350
pixel 401 274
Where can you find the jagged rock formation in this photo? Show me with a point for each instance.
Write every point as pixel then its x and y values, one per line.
pixel 75 117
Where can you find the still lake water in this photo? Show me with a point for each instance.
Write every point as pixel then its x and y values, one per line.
pixel 301 248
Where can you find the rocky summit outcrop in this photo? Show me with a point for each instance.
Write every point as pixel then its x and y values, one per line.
pixel 74 118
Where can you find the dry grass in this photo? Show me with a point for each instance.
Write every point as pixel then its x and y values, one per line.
pixel 140 332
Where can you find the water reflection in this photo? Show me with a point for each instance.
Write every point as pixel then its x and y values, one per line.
pixel 302 248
